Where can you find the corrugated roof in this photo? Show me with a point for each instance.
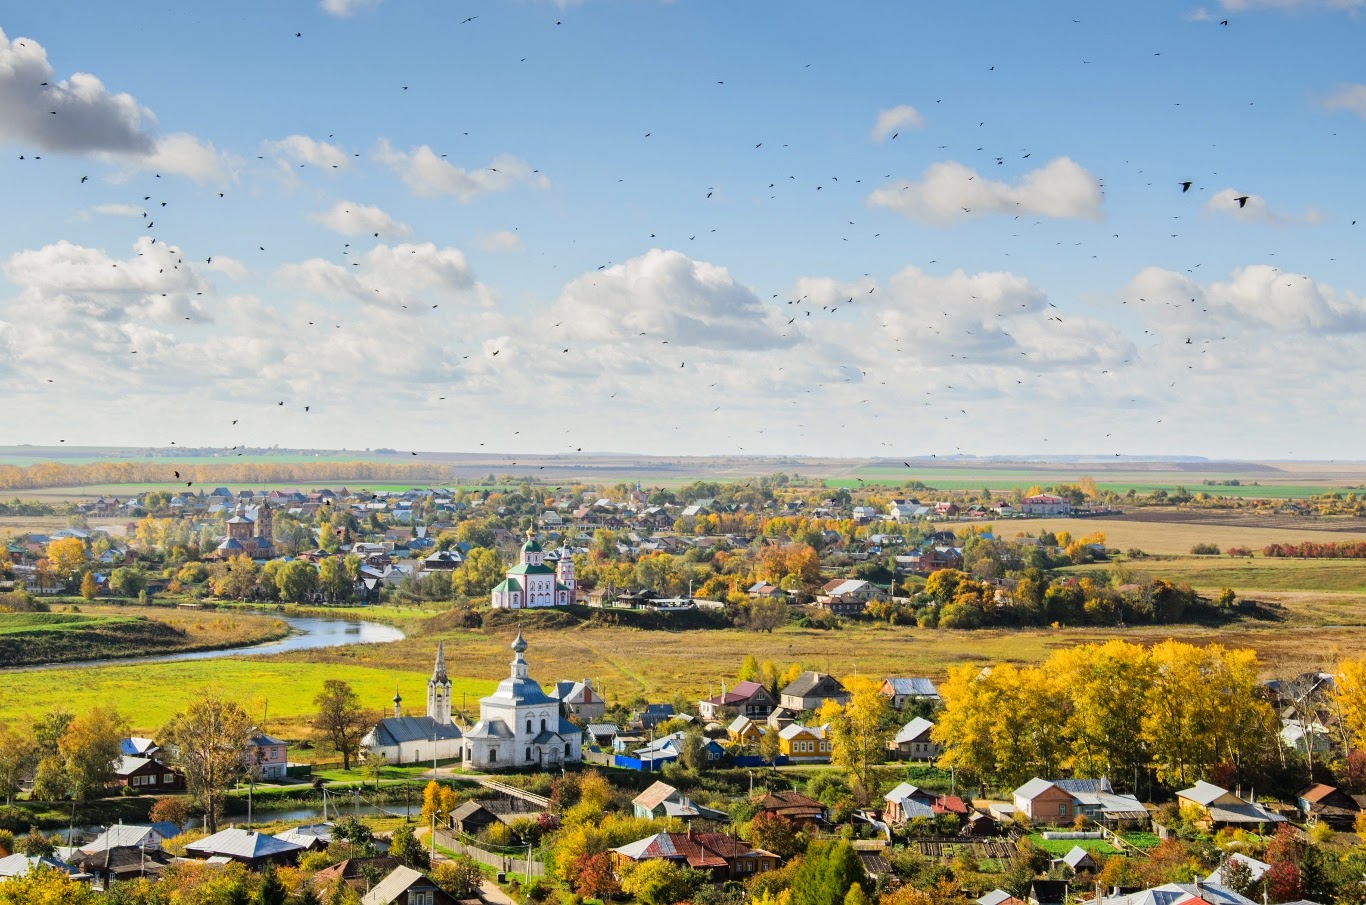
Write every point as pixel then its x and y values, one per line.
pixel 389 889
pixel 913 730
pixel 239 843
pixel 655 795
pixel 915 687
pixel 396 730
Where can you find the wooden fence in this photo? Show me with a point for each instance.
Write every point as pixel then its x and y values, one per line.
pixel 514 866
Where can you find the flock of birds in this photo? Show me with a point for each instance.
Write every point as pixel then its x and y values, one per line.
pixel 950 332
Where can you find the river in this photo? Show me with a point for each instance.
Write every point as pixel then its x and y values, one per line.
pixel 305 633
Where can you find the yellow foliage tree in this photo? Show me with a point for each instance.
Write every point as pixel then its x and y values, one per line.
pixel 65 556
pixel 437 800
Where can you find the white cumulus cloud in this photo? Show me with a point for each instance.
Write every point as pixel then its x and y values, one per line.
pixel 1257 295
pixel 1253 208
pixel 894 119
pixel 305 150
pixel 426 174
pixel 79 115
pixel 668 296
pixel 949 192
pixel 387 276
pixel 351 219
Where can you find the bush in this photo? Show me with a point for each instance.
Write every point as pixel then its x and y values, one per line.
pixel 1205 550
pixel 458 877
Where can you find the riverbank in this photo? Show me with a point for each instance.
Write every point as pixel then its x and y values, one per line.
pixel 82 632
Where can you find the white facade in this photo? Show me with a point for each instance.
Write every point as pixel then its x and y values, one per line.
pixel 420 739
pixel 532 583
pixel 521 726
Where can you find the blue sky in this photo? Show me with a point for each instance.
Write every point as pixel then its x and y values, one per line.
pixel 1024 268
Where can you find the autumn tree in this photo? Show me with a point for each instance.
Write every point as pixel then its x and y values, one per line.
pixel 857 734
pixel 65 556
pixel 459 877
pixel 296 580
pixel 437 800
pixel 18 756
pixel 777 834
pixel 235 579
pixel 765 614
pixel 208 741
pixel 483 568
pixel 89 588
pixel 340 720
pixel 47 886
pixel 91 750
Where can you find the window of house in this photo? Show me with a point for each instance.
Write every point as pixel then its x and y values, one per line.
pixel 168 777
pixel 493 755
pixel 528 724
pixel 542 724
pixel 1062 810
pixel 566 749
pixel 528 754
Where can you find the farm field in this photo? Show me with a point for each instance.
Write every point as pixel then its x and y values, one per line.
pixel 1174 537
pixel 1257 574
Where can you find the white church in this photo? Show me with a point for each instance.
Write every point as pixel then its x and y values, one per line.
pixel 532 583
pixel 418 739
pixel 519 724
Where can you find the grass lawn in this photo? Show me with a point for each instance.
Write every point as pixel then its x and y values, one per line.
pixel 1059 847
pixel 277 693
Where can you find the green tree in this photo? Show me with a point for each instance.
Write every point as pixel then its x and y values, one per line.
pixel 272 891
pixel 405 847
pixel 459 877
pixel 334 582
pixel 483 568
pixel 659 882
pixel 340 720
pixel 826 874
pixel 127 581
pixel 208 741
pixel 296 580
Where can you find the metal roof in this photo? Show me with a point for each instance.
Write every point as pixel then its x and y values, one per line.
pixel 244 844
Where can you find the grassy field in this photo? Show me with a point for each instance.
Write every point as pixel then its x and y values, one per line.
pixel 98 632
pixel 1258 574
pixel 278 693
pixel 625 663
pixel 1171 537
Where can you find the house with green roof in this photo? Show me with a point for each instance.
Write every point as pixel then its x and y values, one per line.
pixel 534 583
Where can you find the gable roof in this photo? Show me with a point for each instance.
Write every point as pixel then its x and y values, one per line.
pixel 915 687
pixel 655 795
pixel 1032 789
pixel 397 730
pixel 239 843
pixel 913 730
pixel 1203 793
pixel 399 880
pixel 812 682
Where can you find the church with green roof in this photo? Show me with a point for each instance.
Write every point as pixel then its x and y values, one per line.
pixel 534 583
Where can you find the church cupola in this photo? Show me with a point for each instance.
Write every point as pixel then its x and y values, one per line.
pixel 532 554
pixel 439 689
pixel 398 703
pixel 519 667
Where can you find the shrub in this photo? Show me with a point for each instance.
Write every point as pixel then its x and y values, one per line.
pixel 1205 549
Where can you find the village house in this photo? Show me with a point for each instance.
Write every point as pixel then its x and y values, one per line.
pixel 1219 808
pixel 248 847
pixel 913 742
pixel 848 597
pixel 1047 504
pixel 1328 804
pixel 907 802
pixel 471 818
pixel 902 691
pixel 805 744
pixel 268 754
pixel 794 806
pixel 1062 800
pixel 749 699
pixel 662 800
pixel 579 700
pixel 148 776
pixel 723 857
pixel 811 689
pixel 405 886
pixel 744 731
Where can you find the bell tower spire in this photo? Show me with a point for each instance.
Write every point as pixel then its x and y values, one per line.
pixel 439 689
